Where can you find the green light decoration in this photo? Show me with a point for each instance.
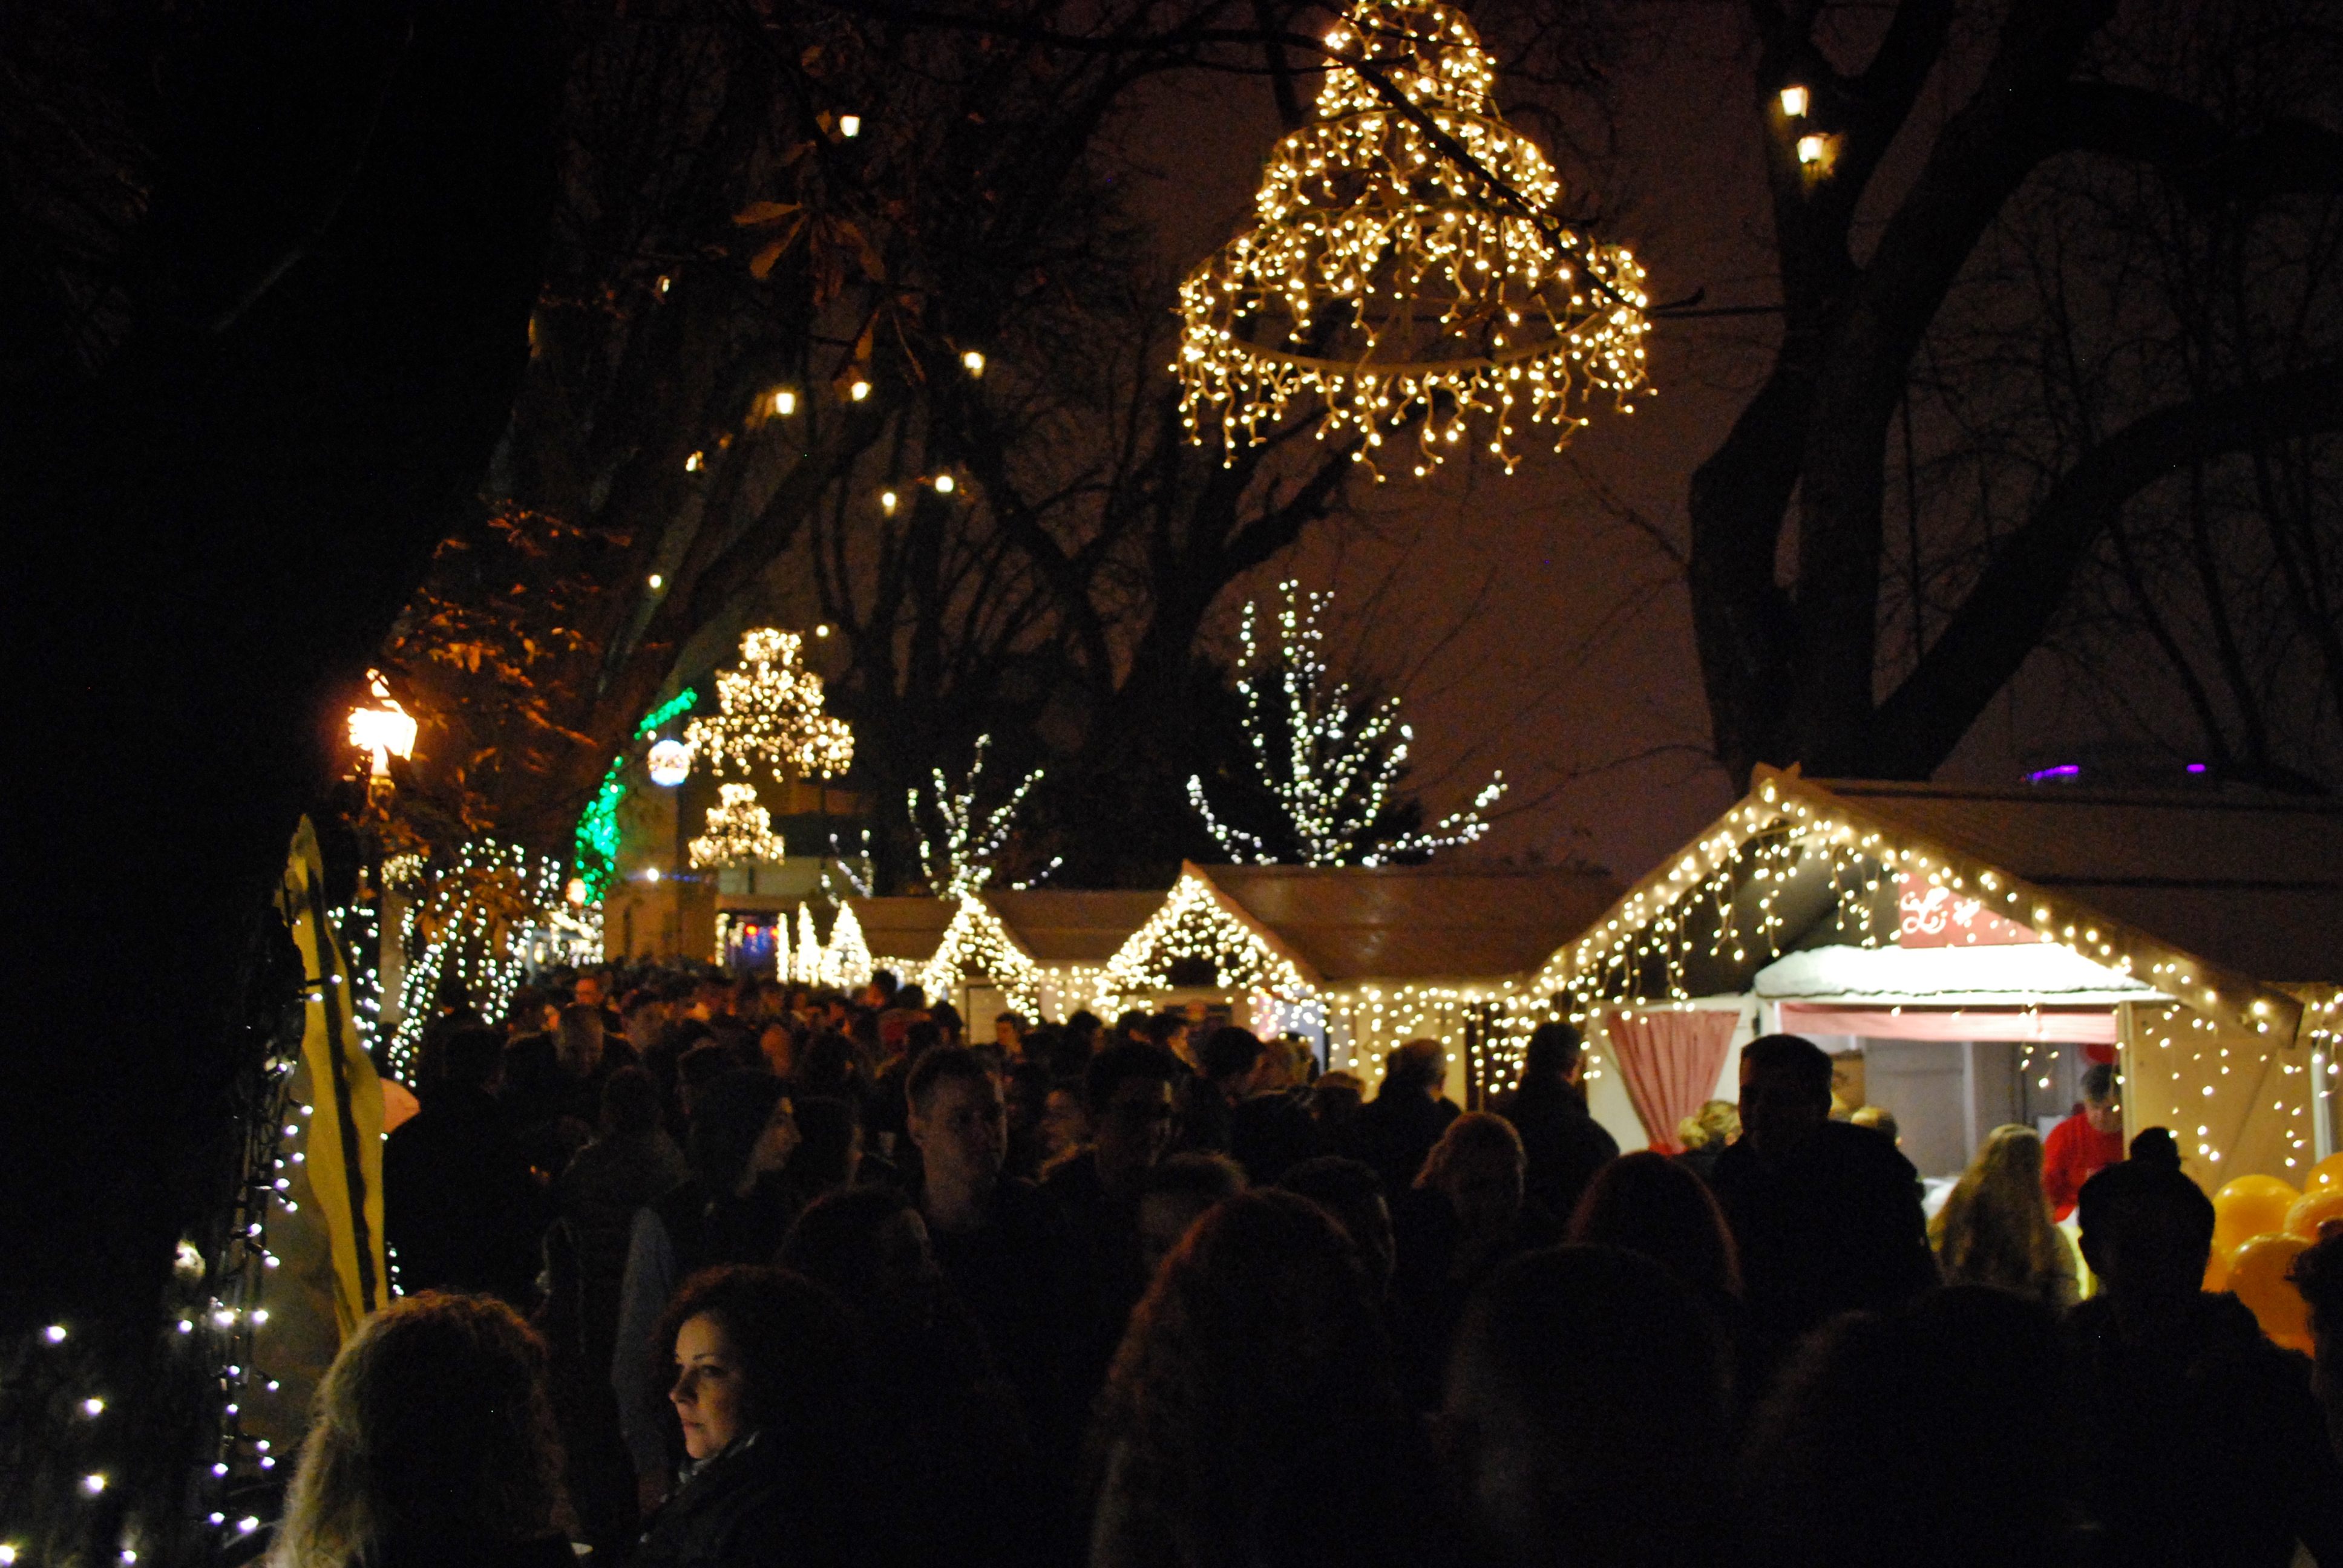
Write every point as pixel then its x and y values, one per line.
pixel 674 707
pixel 598 826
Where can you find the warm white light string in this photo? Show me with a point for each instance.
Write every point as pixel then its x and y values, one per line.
pixel 1388 280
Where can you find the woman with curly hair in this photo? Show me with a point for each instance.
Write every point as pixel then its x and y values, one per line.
pixel 767 1384
pixel 1995 1229
pixel 432 1443
pixel 1251 1417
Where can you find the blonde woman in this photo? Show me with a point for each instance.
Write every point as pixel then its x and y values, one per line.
pixel 432 1444
pixel 1995 1228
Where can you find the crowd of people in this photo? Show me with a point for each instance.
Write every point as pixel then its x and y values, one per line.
pixel 704 1270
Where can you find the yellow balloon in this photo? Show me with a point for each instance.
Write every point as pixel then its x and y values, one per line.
pixel 2257 1277
pixel 2248 1207
pixel 2311 1208
pixel 2328 1172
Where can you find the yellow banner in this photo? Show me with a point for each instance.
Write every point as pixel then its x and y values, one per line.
pixel 343 1145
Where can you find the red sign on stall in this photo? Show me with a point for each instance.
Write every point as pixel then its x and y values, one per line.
pixel 1932 916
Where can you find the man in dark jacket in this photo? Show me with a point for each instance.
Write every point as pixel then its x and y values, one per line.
pixel 1565 1146
pixel 1827 1215
pixel 1395 1131
pixel 2202 1440
pixel 459 1207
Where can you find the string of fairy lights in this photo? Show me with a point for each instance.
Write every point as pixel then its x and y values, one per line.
pixel 1341 766
pixel 1695 907
pixel 466 921
pixel 961 859
pixel 65 1491
pixel 1404 263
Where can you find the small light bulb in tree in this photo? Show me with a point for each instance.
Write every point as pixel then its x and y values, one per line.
pixel 850 126
pixel 785 403
pixel 859 391
pixel 974 361
pixel 1795 102
pixel 943 483
pixel 887 502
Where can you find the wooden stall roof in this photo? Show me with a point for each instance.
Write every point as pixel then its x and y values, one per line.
pixel 909 928
pixel 1353 923
pixel 2254 882
pixel 1059 926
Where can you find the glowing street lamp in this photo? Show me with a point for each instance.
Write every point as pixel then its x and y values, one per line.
pixel 386 731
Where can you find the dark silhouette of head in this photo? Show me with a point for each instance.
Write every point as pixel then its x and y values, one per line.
pixel 1583 1422
pixel 2156 1146
pixel 1230 1053
pixel 1257 1340
pixel 2148 1232
pixel 727 1115
pixel 630 1102
pixel 1785 1093
pixel 1895 1441
pixel 868 1247
pixel 432 1425
pixel 1555 1049
pixel 1646 1202
pixel 1353 1193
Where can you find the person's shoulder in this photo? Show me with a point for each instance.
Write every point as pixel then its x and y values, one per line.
pixel 1866 1148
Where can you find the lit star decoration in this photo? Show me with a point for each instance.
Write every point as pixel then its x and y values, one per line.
pixel 1330 768
pixel 740 831
pixel 1393 279
pixel 771 715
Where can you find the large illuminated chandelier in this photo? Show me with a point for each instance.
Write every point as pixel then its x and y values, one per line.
pixel 1404 263
pixel 770 715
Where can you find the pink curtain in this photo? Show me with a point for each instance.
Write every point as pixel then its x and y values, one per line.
pixel 2078 1027
pixel 1670 1061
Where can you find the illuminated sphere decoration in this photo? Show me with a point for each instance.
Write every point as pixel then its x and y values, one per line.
pixel 670 763
pixel 1392 281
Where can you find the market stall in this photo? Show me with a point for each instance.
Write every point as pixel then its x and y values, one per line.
pixel 1967 953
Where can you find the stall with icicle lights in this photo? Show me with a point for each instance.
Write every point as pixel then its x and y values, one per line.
pixel 1358 960
pixel 1042 952
pixel 1967 954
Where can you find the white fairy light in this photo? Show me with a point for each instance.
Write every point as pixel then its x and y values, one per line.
pixel 1392 281
pixel 961 860
pixel 1332 766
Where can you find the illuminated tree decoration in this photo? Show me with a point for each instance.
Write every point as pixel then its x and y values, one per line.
pixel 805 968
pixel 740 831
pixel 846 961
pixel 961 858
pixel 771 715
pixel 467 921
pixel 1331 762
pixel 1404 263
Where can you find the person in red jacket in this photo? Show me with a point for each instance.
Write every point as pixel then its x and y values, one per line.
pixel 2079 1146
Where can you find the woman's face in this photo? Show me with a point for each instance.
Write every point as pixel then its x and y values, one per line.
pixel 777 1142
pixel 709 1397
